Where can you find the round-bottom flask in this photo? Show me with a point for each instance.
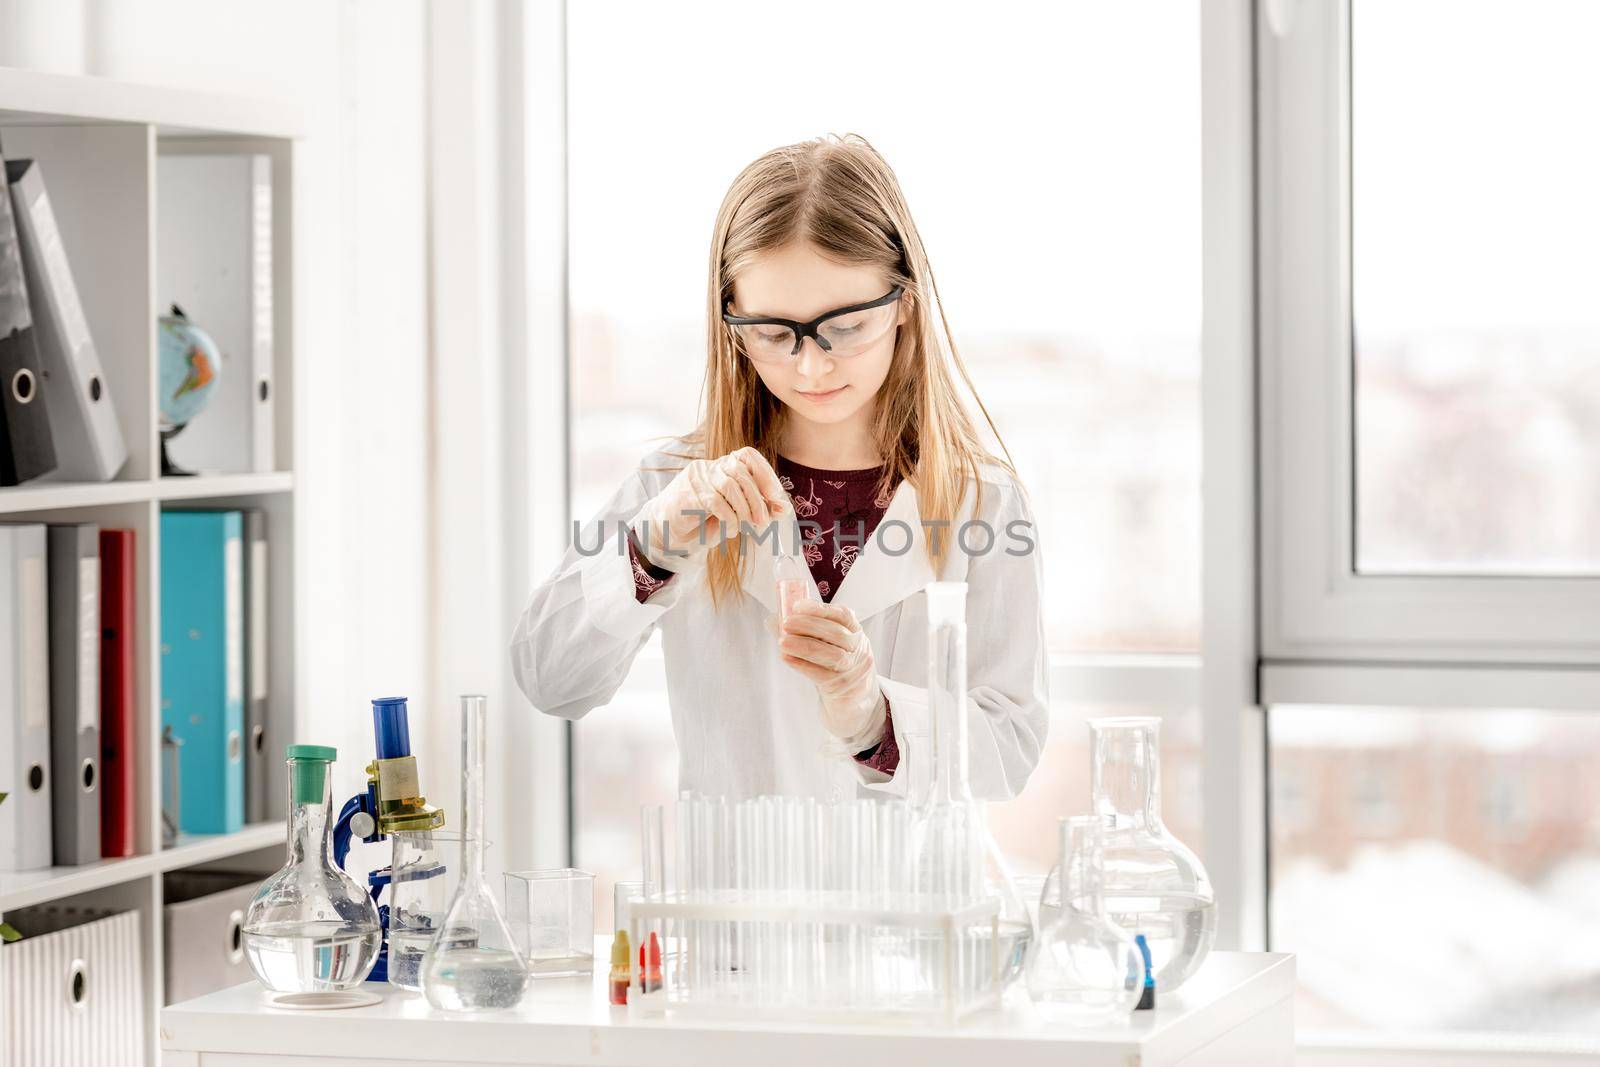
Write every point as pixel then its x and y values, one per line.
pixel 1153 884
pixel 1082 968
pixel 310 927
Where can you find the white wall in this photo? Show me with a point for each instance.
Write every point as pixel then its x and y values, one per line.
pixel 357 70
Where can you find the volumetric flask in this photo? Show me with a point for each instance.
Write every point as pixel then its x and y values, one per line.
pixel 956 858
pixel 310 928
pixel 473 963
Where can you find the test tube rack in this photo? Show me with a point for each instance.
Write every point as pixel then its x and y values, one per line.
pixel 787 908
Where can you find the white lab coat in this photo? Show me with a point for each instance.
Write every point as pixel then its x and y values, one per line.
pixel 747 724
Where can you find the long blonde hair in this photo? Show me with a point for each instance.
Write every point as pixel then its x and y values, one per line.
pixel 838 194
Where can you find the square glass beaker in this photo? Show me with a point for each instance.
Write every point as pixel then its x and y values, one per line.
pixel 552 915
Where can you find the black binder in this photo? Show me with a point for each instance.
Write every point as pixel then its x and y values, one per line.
pixel 26 449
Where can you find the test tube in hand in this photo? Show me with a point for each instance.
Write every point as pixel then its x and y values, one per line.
pixel 794 584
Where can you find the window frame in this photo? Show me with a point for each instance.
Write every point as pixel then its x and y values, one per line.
pixel 1330 635
pixel 1315 605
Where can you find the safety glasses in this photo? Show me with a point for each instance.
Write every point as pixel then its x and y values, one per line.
pixel 842 332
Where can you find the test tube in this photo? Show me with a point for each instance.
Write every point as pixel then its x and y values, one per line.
pixel 722 879
pixel 771 951
pixel 840 848
pixel 651 843
pixel 866 846
pixel 811 884
pixel 710 826
pixel 621 896
pixel 744 874
pixel 794 583
pixel 689 890
pixel 653 887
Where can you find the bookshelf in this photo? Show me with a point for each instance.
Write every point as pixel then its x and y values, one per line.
pixel 100 143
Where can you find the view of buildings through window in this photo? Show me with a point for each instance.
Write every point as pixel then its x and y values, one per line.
pixel 1436 869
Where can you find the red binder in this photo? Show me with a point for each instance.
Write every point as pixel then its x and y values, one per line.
pixel 117 749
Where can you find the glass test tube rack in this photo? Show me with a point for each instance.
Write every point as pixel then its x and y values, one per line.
pixel 789 908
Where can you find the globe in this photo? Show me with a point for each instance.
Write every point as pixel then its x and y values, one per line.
pixel 190 367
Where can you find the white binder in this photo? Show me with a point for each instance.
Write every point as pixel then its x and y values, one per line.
pixel 25 826
pixel 83 422
pixel 214 224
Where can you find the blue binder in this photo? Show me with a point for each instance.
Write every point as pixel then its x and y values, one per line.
pixel 202 664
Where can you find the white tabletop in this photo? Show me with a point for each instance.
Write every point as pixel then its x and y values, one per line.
pixel 569 1021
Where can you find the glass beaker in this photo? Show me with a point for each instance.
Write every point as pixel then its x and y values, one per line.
pixel 310 927
pixel 472 964
pixel 422 882
pixel 1154 885
pixel 552 915
pixel 1082 967
pixel 955 853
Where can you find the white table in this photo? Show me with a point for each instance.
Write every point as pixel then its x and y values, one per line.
pixel 1238 1010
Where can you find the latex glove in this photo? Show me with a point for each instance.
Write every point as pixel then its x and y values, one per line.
pixel 825 643
pixel 705 503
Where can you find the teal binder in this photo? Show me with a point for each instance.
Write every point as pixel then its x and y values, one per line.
pixel 202 664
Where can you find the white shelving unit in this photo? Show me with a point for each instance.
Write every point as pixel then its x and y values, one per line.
pixel 99 142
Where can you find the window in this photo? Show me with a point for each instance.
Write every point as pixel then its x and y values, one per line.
pixel 1445 914
pixel 1477 334
pixel 1068 259
pixel 1428 336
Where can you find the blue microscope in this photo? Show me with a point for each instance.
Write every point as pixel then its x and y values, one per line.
pixel 391 804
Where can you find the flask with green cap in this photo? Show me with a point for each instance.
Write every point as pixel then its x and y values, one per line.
pixel 310 927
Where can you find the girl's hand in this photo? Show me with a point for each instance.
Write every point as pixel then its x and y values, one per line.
pixel 825 643
pixel 705 503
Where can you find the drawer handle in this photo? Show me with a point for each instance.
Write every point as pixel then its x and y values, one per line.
pixel 78 985
pixel 22 386
pixel 235 951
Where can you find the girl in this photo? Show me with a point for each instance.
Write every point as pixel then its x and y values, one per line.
pixel 831 423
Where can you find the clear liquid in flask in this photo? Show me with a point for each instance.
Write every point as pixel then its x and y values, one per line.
pixel 310 957
pixel 476 979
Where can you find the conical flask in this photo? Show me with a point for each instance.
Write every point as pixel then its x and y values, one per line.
pixel 1082 967
pixel 956 858
pixel 473 964
pixel 310 928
